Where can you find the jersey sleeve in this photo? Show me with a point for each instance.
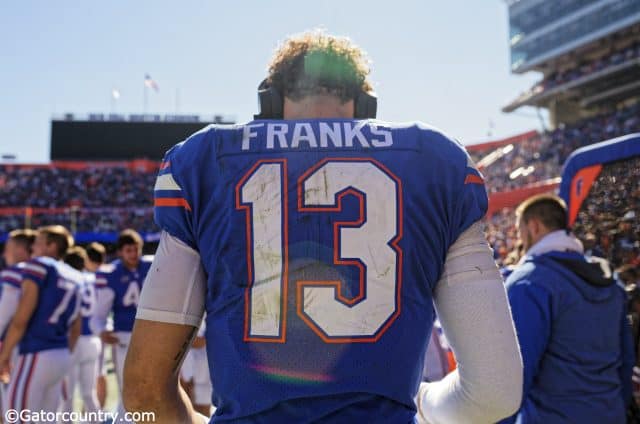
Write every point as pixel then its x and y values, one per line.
pixel 175 287
pixel 172 205
pixel 35 271
pixel 8 305
pixel 472 201
pixel 11 277
pixel 101 281
pixel 460 198
pixel 185 182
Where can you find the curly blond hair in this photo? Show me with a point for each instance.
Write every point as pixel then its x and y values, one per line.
pixel 317 63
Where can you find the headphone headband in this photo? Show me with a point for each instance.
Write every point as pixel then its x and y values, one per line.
pixel 271 103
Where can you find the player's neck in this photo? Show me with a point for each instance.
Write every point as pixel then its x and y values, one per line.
pixel 317 107
pixel 131 266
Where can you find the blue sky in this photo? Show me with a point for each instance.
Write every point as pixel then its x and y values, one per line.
pixel 442 62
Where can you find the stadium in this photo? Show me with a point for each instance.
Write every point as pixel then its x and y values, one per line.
pixel 103 167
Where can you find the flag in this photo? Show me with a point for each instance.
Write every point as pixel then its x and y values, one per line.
pixel 115 93
pixel 150 83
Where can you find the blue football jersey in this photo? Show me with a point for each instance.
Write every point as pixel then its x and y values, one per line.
pixel 88 303
pixel 58 301
pixel 126 285
pixel 322 241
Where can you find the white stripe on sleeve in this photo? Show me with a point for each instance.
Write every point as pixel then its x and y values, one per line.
pixel 166 182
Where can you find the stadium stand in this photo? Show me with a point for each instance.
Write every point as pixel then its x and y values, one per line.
pixel 590 68
pixel 601 185
pixel 95 200
pixel 534 159
pixel 539 157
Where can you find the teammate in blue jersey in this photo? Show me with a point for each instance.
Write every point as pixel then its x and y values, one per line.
pixel 318 245
pixel 46 325
pixel 118 290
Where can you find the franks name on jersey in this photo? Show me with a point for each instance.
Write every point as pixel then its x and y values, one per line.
pixel 303 135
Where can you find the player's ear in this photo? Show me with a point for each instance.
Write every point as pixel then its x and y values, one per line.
pixel 535 226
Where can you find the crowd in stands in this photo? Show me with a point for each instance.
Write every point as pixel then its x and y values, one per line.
pixel 614 58
pixel 557 79
pixel 541 157
pixel 609 220
pixel 608 223
pixel 95 199
pixel 502 236
pixel 98 220
pixel 93 187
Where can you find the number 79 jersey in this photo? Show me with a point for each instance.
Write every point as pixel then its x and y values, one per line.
pixel 58 304
pixel 322 241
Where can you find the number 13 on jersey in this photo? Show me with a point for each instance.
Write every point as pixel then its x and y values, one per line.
pixel 369 243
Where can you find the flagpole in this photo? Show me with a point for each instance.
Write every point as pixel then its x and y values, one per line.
pixel 145 99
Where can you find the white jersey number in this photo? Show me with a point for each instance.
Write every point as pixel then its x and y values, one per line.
pixel 70 289
pixel 132 295
pixel 370 243
pixel 88 300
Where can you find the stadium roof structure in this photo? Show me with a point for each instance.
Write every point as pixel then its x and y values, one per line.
pixel 583 166
pixel 588 53
pixel 588 89
pixel 143 117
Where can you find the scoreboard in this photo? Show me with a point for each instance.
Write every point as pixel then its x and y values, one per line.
pixel 132 137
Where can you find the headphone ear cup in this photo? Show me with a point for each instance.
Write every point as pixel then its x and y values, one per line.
pixel 365 106
pixel 277 104
pixel 270 102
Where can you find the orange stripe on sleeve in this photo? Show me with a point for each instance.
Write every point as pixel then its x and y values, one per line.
pixel 473 179
pixel 173 201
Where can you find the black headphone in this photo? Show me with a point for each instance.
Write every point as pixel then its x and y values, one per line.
pixel 272 104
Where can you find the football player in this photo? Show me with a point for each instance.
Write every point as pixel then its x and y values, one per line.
pixel 97 255
pixel 118 291
pixel 318 240
pixel 46 325
pixel 17 249
pixel 85 357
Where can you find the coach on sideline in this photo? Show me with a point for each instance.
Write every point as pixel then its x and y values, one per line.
pixel 570 318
